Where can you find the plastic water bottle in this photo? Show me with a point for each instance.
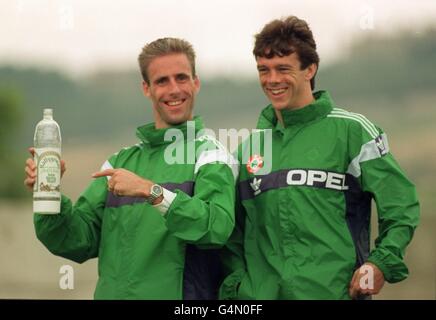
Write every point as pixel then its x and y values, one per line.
pixel 47 143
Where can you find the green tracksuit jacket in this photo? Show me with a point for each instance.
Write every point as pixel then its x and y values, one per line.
pixel 142 253
pixel 303 228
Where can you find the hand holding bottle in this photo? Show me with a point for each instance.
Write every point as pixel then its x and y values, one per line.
pixel 30 170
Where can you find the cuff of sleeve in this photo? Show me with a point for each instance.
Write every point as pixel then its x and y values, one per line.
pixel 168 198
pixel 229 289
pixel 393 268
pixel 65 202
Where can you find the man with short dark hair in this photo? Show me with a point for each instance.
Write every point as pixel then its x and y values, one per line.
pixel 302 229
pixel 144 217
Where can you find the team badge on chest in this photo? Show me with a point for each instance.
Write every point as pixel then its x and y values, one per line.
pixel 254 164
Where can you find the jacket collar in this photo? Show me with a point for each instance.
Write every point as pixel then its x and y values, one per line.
pixel 319 108
pixel 150 135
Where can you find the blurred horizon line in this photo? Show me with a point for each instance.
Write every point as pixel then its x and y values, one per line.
pixel 205 71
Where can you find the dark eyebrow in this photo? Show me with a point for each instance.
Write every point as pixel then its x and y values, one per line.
pixel 161 79
pixel 182 74
pixel 285 66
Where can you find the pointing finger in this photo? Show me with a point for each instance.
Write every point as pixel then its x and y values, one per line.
pixel 104 173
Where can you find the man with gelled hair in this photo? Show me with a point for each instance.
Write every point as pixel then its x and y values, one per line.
pixel 302 230
pixel 153 223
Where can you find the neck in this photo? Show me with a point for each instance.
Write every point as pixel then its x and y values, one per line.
pixel 279 117
pixel 302 101
pixel 159 123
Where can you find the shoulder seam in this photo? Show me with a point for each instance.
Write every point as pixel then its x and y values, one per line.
pixel 366 124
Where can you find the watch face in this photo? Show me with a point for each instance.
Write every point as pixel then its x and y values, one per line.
pixel 156 190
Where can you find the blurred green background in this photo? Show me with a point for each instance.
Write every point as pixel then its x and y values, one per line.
pixel 390 79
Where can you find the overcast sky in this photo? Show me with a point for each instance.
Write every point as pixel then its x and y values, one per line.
pixel 82 36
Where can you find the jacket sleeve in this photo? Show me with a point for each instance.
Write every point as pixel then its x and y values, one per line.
pixel 233 256
pixel 74 233
pixel 396 200
pixel 207 217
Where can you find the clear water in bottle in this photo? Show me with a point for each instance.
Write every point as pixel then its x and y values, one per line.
pixel 47 144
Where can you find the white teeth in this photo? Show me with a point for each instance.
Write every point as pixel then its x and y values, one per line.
pixel 174 103
pixel 278 91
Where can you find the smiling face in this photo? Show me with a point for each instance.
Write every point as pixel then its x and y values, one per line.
pixel 284 83
pixel 172 89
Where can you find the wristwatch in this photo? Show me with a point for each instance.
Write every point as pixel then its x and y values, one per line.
pixel 155 192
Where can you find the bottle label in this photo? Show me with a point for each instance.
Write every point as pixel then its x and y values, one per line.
pixel 48 177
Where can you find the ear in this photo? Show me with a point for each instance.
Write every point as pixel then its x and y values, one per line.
pixel 311 71
pixel 197 84
pixel 146 89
